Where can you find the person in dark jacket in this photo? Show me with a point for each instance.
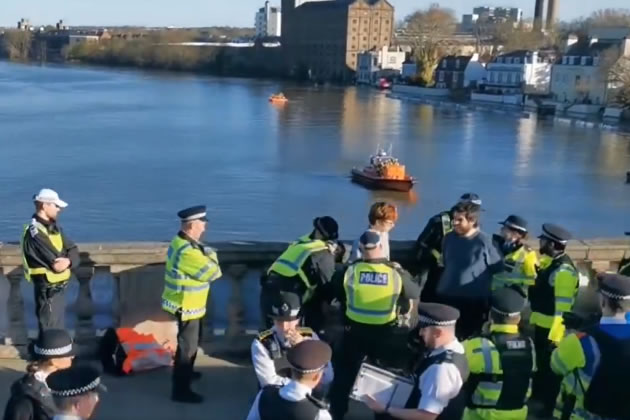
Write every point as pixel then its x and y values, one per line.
pixel 30 397
pixel 303 268
pixel 48 256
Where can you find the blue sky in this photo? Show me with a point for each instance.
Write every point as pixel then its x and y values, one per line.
pixel 222 12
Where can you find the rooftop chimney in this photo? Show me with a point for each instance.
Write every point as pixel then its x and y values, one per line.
pixel 552 13
pixel 538 14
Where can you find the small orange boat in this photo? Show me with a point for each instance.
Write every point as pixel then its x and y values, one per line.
pixel 278 98
pixel 383 173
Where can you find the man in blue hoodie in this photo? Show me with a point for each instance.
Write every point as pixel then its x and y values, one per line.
pixel 595 363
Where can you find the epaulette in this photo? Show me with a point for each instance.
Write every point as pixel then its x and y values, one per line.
pixel 265 334
pixel 33 229
pixel 306 331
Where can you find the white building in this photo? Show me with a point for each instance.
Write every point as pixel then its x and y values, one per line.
pixel 580 75
pixel 374 64
pixel 268 21
pixel 78 39
pixel 519 72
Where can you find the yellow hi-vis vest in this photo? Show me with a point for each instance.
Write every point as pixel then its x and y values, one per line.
pixel 187 279
pixel 57 242
pixel 372 291
pixel 519 269
pixel 290 263
pixel 447 227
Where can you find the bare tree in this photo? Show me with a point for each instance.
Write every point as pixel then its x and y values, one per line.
pixel 18 44
pixel 519 38
pixel 429 30
pixel 619 79
pixel 609 18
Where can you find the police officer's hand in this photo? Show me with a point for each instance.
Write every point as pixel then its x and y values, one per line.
pixel 61 264
pixel 294 337
pixel 374 405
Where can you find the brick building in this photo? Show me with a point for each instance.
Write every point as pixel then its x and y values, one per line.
pixel 323 38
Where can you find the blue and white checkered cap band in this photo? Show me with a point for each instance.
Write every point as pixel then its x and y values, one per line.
pixel 285 309
pixel 59 351
pixel 432 322
pixel 613 296
pixel 77 391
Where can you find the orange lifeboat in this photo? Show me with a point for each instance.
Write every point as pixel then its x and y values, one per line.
pixel 383 173
pixel 278 98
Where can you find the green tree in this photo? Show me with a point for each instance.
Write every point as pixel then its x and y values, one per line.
pixel 428 30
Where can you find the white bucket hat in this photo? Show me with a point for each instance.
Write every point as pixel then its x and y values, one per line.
pixel 47 195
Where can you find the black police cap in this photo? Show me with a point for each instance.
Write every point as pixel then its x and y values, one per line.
pixel 614 286
pixel 285 306
pixel 309 356
pixel 436 315
pixel 369 239
pixel 327 226
pixel 54 343
pixel 193 213
pixel 508 301
pixel 76 380
pixel 516 223
pixel 470 198
pixel 555 233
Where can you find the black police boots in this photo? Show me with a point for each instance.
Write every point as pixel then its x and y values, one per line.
pixel 186 396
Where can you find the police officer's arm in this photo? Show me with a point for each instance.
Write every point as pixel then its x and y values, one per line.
pixel 494 260
pixel 568 356
pixel 427 239
pixel 264 367
pixel 324 264
pixel 410 289
pixel 253 412
pixel 564 283
pixel 19 409
pixel 70 251
pixel 529 268
pixel 197 265
pixel 38 249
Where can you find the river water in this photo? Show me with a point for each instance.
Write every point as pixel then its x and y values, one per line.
pixel 129 149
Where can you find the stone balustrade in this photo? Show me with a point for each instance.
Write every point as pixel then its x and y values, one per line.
pixel 120 284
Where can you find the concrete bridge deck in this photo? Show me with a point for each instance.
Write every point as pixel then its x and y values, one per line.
pixel 229 388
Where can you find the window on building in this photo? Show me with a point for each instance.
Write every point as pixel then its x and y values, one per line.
pixel 375 38
pixel 441 76
pixel 508 60
pixel 365 38
pixel 387 22
pixel 385 39
pixel 517 60
pixel 392 59
pixel 443 64
pixel 499 59
pixel 578 79
pixel 354 21
pixel 455 77
pixel 457 63
pixel 491 77
pixel 354 47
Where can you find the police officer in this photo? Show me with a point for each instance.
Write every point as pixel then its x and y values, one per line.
pixel 501 362
pixel 553 294
pixel 48 256
pixel 440 373
pixel 293 401
pixel 595 363
pixel 30 397
pixel 428 247
pixel 190 268
pixel 307 264
pixel 373 290
pixel 75 392
pixel 269 349
pixel 519 260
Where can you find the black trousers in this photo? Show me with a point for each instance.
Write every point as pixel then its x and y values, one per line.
pixel 188 338
pixel 50 304
pixel 546 384
pixel 359 341
pixel 473 313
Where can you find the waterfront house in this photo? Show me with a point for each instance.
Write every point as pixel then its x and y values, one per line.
pixel 518 72
pixel 581 75
pixel 377 63
pixel 459 71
